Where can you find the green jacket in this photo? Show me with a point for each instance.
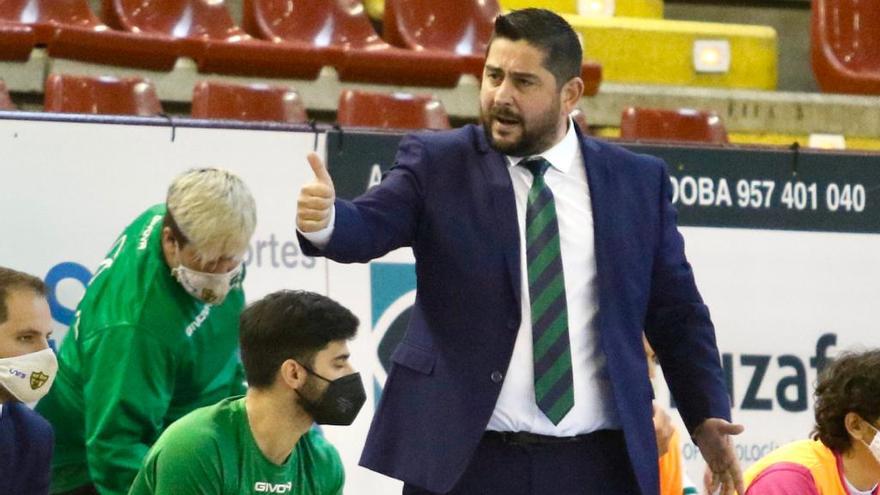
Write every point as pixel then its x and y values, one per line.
pixel 140 354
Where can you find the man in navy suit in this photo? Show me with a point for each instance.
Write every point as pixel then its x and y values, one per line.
pixel 541 256
pixel 27 368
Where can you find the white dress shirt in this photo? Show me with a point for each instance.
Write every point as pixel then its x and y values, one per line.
pixel 516 409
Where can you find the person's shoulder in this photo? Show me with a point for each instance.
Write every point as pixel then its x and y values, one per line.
pixel 28 420
pixel 320 452
pixel 468 136
pixel 130 279
pixel 201 428
pixel 783 478
pixel 619 155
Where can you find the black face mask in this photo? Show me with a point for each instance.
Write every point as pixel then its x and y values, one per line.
pixel 340 403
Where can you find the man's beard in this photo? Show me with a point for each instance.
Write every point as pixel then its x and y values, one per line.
pixel 536 137
pixel 310 395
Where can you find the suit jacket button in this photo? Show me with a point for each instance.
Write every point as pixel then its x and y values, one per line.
pixel 511 324
pixel 496 377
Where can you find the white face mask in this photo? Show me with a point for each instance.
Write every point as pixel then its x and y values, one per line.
pixel 874 446
pixel 28 377
pixel 211 288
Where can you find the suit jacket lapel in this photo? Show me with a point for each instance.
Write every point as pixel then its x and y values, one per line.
pixel 599 179
pixel 494 168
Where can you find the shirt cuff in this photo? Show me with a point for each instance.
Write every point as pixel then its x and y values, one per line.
pixel 320 238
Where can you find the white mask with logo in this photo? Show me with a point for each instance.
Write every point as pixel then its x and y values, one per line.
pixel 211 288
pixel 28 377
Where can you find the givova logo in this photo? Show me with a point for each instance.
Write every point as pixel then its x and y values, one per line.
pixel 266 487
pixel 393 289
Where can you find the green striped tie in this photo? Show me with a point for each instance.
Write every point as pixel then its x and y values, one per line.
pixel 554 391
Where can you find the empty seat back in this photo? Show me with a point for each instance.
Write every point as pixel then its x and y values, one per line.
pixel 217 100
pixel 209 19
pixel 56 12
pixel 846 45
pixel 463 27
pixel 390 111
pixel 321 23
pixel 672 125
pixel 101 95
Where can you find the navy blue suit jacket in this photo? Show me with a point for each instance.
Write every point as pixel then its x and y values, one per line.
pixel 449 196
pixel 26 441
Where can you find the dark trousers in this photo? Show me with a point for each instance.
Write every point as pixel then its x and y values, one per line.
pixel 591 464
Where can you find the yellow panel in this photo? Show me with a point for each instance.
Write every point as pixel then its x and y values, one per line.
pixel 559 6
pixel 656 51
pixel 639 8
pixel 622 8
pixel 375 9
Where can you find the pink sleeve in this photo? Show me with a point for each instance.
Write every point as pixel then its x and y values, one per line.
pixel 784 478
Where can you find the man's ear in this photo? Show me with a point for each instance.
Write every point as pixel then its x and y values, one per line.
pixel 571 94
pixel 293 374
pixel 857 428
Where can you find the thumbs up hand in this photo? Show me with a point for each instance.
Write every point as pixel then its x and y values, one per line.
pixel 315 198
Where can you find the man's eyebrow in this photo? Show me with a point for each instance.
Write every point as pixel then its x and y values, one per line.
pixel 22 332
pixel 525 75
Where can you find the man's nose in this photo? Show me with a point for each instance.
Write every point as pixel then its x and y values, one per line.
pixel 504 93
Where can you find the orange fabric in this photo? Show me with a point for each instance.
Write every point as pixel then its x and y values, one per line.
pixel 670 468
pixel 812 455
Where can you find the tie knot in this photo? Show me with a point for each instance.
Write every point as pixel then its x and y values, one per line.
pixel 536 165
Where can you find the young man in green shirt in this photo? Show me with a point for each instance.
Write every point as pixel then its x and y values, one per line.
pixel 155 335
pixel 295 354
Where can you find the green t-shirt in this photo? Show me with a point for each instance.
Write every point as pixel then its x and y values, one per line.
pixel 212 451
pixel 140 354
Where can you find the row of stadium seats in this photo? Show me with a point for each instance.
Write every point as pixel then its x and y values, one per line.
pixel 261 102
pixel 425 42
pixel 278 38
pixel 433 43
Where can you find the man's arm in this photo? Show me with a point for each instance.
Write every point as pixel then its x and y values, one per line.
pixel 126 395
pixel 381 220
pixel 678 327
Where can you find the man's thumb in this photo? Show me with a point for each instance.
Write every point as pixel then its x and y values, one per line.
pixel 319 169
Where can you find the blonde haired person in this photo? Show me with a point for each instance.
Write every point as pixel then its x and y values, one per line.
pixel 155 335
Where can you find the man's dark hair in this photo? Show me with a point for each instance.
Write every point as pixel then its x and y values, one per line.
pixel 13 279
pixel 851 383
pixel 549 33
pixel 289 324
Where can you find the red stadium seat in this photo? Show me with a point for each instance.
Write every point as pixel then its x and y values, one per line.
pixel 846 45
pixel 390 111
pixel 343 30
pixel 101 95
pixel 5 100
pixel 16 41
pixel 460 27
pixel 210 37
pixel 217 100
pixel 672 125
pixel 70 30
